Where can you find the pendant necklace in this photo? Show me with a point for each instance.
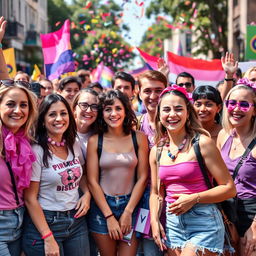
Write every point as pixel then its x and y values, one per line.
pixel 180 147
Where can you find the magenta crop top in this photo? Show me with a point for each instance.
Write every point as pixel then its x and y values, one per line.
pixel 182 178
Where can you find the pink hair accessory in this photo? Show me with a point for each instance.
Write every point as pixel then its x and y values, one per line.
pixel 246 81
pixel 175 87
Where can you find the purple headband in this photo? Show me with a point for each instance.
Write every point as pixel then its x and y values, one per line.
pixel 247 82
pixel 175 87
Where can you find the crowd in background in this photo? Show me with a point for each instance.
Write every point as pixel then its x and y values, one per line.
pixel 79 162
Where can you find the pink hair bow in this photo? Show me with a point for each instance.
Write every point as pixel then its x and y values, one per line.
pixel 175 87
pixel 246 81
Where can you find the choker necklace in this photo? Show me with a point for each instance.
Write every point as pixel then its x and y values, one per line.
pixel 180 147
pixel 55 143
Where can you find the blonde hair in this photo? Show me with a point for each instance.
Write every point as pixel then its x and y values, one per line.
pixel 247 73
pixel 192 124
pixel 225 116
pixel 29 126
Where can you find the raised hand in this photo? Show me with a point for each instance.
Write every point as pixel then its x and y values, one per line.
pixel 229 64
pixel 3 23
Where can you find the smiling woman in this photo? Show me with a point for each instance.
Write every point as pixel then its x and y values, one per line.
pixel 56 223
pixel 17 114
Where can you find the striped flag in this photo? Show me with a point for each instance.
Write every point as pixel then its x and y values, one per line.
pixel 137 72
pixel 57 52
pixel 106 77
pixel 205 72
pixel 150 61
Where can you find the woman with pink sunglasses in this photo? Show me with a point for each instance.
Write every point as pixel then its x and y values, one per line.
pixel 239 130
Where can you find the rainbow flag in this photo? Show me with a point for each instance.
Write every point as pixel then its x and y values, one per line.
pixel 205 72
pixel 9 57
pixel 150 61
pixel 58 58
pixel 106 77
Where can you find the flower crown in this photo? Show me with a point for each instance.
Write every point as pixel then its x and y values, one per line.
pixel 175 87
pixel 247 82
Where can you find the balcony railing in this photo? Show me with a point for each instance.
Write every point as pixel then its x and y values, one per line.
pixel 32 38
pixel 14 30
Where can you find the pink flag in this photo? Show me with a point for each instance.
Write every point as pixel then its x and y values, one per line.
pixel 205 72
pixel 58 56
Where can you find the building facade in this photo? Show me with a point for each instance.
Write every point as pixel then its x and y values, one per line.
pixel 240 13
pixel 26 20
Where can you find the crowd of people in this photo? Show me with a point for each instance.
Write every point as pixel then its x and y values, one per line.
pixel 80 164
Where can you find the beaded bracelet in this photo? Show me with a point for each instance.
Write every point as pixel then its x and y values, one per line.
pixel 47 235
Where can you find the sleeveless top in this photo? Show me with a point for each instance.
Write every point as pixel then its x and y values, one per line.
pixel 117 174
pixel 182 178
pixel 245 181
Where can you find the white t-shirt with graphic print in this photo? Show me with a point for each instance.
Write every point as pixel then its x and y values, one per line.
pixel 59 182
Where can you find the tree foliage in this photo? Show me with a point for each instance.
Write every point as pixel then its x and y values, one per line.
pixel 96 33
pixel 152 41
pixel 206 18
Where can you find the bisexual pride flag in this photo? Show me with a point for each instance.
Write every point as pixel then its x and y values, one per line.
pixel 57 52
pixel 205 72
pixel 150 61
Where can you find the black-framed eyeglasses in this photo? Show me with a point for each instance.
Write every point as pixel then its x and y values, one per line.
pixel 84 106
pixel 10 82
pixel 187 85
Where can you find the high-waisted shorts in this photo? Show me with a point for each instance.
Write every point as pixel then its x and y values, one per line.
pixel 96 220
pixel 201 227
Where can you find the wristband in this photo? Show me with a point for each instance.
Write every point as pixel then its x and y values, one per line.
pixel 198 198
pixel 1 46
pixel 110 215
pixel 47 235
pixel 229 79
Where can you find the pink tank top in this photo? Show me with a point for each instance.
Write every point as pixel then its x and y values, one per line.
pixel 182 178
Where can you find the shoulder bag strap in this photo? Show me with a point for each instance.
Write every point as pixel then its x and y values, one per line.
pixel 135 143
pixel 243 157
pixel 200 160
pixel 13 183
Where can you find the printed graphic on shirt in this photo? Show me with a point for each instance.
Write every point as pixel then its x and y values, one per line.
pixel 69 178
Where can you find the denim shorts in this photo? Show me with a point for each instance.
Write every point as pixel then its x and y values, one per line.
pixel 70 233
pixel 10 231
pixel 96 220
pixel 201 227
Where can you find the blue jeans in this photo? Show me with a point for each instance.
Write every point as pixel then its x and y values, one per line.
pixel 201 226
pixel 70 233
pixel 10 231
pixel 97 222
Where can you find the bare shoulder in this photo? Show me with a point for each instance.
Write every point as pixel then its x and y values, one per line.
pixel 222 137
pixel 206 144
pixel 93 140
pixel 141 137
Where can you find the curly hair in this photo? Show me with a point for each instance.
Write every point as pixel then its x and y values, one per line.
pixel 108 98
pixel 192 125
pixel 41 131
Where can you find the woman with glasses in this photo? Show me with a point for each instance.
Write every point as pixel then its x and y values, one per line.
pixel 194 224
pixel 117 169
pixel 56 223
pixel 85 108
pixel 208 104
pixel 239 129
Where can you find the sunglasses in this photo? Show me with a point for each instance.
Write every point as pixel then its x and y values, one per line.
pixel 10 82
pixel 187 85
pixel 242 105
pixel 84 106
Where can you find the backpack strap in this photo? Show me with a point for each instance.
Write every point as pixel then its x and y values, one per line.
pixel 135 143
pixel 100 143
